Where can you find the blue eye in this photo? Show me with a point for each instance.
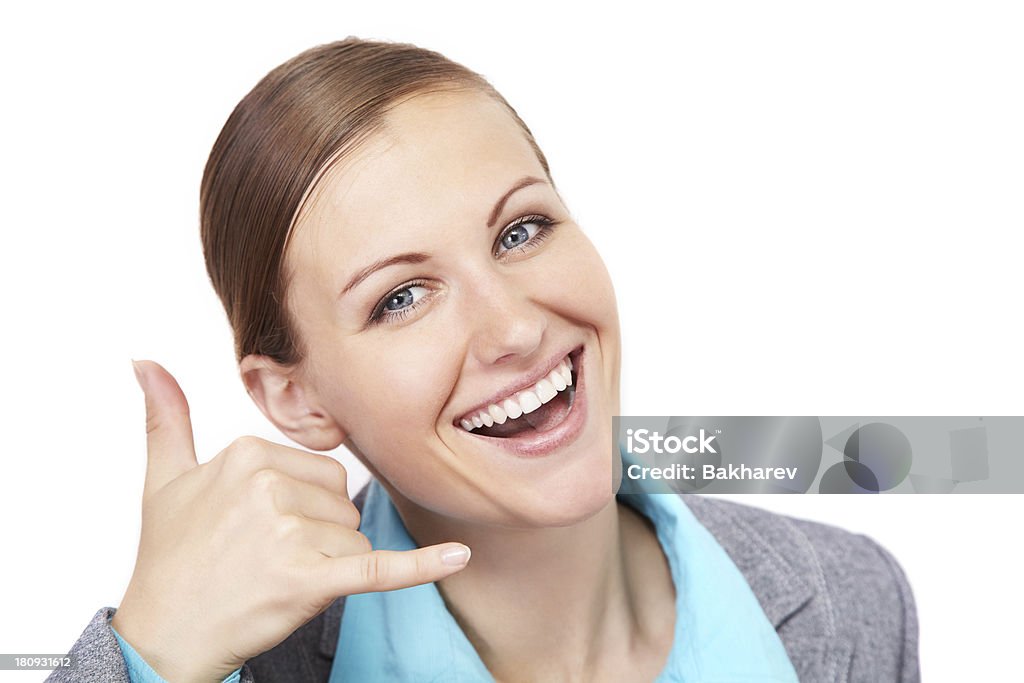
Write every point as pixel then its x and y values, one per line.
pixel 399 303
pixel 401 299
pixel 523 234
pixel 518 235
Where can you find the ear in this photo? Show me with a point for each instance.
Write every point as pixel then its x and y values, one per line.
pixel 285 398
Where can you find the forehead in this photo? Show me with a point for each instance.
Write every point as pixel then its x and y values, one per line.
pixel 438 156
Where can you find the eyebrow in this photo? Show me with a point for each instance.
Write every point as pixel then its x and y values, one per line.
pixel 420 257
pixel 412 257
pixel 523 182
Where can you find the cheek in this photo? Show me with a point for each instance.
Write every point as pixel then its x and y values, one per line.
pixel 583 285
pixel 389 393
pixel 390 406
pixel 374 381
pixel 582 292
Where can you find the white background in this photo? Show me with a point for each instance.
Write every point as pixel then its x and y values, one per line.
pixel 805 208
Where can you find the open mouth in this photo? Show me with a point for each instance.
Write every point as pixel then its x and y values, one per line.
pixel 538 408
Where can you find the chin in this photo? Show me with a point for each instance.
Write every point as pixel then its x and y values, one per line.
pixel 580 508
pixel 567 500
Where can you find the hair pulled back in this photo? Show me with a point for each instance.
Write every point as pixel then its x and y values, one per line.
pixel 299 119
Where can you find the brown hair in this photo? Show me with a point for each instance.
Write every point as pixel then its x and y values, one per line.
pixel 298 120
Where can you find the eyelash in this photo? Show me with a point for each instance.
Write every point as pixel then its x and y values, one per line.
pixel 545 226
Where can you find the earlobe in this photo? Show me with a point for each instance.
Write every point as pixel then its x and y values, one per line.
pixel 281 396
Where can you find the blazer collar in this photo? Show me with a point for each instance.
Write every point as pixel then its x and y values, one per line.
pixel 786 575
pixel 772 555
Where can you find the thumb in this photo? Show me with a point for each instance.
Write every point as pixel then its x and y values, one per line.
pixel 169 447
pixel 388 570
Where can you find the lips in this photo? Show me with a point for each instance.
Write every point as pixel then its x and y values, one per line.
pixel 560 422
pixel 523 402
pixel 525 383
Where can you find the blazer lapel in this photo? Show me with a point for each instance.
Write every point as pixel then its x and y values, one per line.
pixel 757 553
pixel 784 573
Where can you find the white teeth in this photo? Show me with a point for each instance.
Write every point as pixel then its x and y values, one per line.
pixel 497 413
pixel 525 401
pixel 545 390
pixel 513 408
pixel 529 401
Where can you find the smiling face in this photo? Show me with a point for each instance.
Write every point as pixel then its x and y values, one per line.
pixel 435 273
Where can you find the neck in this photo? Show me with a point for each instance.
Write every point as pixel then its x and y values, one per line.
pixel 560 603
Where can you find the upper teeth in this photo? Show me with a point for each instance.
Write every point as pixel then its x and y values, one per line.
pixel 525 401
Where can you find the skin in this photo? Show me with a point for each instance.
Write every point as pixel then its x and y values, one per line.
pixel 262 535
pixel 564 583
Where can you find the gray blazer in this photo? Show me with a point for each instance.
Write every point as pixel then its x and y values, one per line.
pixel 839 602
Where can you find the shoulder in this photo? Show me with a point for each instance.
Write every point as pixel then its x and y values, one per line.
pixel 849 560
pixel 831 593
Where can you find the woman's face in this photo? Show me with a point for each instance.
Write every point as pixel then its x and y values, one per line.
pixel 501 286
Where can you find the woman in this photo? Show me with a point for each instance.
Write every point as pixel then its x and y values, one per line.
pixel 403 278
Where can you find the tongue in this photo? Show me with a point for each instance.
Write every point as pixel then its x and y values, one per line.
pixel 544 418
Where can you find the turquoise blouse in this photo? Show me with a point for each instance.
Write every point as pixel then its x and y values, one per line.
pixel 139 671
pixel 721 635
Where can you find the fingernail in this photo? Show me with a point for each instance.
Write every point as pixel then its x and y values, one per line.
pixel 456 557
pixel 138 375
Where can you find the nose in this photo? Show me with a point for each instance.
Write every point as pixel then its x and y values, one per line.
pixel 508 323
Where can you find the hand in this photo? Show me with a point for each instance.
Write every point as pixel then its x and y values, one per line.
pixel 237 553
